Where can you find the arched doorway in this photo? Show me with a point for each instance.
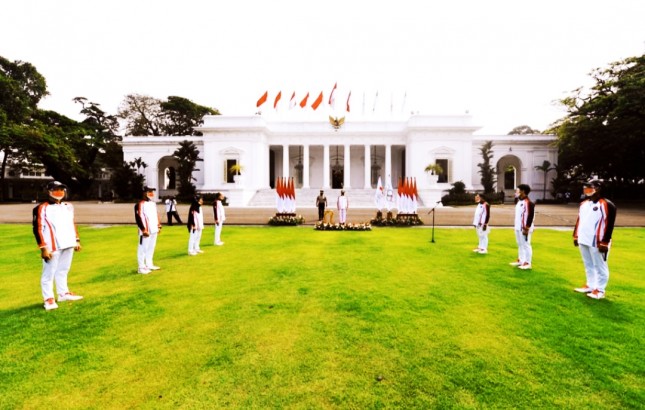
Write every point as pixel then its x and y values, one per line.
pixel 509 175
pixel 167 177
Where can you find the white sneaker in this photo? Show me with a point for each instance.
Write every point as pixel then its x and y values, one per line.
pixel 50 304
pixel 525 266
pixel 153 267
pixel 192 253
pixel 516 263
pixel 144 271
pixel 476 250
pixel 219 243
pixel 584 289
pixel 596 294
pixel 482 252
pixel 200 251
pixel 69 296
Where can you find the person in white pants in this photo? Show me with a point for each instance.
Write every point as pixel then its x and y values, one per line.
pixel 480 221
pixel 342 204
pixel 195 226
pixel 592 234
pixel 149 224
pixel 524 218
pixel 220 217
pixel 57 237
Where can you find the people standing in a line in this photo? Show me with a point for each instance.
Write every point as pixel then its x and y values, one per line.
pixel 524 217
pixel 57 237
pixel 171 210
pixel 220 217
pixel 195 226
pixel 149 224
pixel 321 204
pixel 592 234
pixel 480 221
pixel 342 204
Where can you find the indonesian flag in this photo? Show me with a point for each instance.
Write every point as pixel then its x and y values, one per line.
pixel 317 102
pixel 279 198
pixel 348 96
pixel 277 98
pixel 292 101
pixel 400 201
pixel 292 195
pixel 303 103
pixel 332 97
pixel 379 195
pixel 415 195
pixel 263 99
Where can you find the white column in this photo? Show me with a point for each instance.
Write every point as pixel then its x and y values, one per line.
pixel 325 166
pixel 152 179
pixel 367 181
pixel 305 167
pixel 285 161
pixel 388 163
pixel 347 165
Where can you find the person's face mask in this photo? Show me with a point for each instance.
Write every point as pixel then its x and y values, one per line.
pixel 588 191
pixel 150 194
pixel 57 194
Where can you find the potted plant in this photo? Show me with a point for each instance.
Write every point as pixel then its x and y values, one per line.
pixel 433 171
pixel 236 169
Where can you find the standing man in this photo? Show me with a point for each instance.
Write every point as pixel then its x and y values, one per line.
pixel 171 210
pixel 592 233
pixel 220 217
pixel 57 237
pixel 321 203
pixel 342 204
pixel 147 218
pixel 524 215
pixel 480 221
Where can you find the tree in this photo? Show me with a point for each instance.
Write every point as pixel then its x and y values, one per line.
pixel 545 168
pixel 523 130
pixel 127 180
pixel 21 88
pixel 486 170
pixel 145 115
pixel 187 156
pixel 603 132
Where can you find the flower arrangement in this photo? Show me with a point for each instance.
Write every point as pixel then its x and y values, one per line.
pixel 398 220
pixel 320 226
pixel 286 220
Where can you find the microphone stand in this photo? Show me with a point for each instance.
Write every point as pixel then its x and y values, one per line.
pixel 433 212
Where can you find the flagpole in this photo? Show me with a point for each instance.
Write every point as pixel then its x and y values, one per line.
pixel 433 212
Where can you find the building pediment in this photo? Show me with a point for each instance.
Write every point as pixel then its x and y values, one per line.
pixel 231 151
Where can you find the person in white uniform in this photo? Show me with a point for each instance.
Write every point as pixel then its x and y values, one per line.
pixel 220 217
pixel 480 221
pixel 342 204
pixel 57 237
pixel 195 226
pixel 592 234
pixel 149 224
pixel 524 218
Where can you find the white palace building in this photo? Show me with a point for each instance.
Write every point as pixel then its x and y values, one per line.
pixel 352 156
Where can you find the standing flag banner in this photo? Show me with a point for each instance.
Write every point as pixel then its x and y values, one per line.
pixel 375 99
pixel 390 200
pixel 278 192
pixel 277 98
pixel 379 195
pixel 303 103
pixel 262 99
pixel 347 107
pixel 415 196
pixel 317 102
pixel 332 97
pixel 292 101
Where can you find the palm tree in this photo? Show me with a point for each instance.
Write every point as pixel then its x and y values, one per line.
pixel 545 167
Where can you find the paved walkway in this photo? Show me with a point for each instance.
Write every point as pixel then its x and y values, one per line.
pixel 93 213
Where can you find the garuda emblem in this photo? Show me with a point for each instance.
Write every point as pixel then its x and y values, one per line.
pixel 336 122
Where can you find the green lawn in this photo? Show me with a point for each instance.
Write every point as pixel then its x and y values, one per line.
pixel 295 318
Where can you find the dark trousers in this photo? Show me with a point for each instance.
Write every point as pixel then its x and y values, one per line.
pixel 321 212
pixel 176 215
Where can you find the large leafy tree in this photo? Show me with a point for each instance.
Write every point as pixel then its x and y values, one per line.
pixel 21 88
pixel 145 115
pixel 486 170
pixel 545 168
pixel 187 156
pixel 523 130
pixel 603 134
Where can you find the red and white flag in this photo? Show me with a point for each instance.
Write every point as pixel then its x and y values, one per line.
pixel 292 101
pixel 277 98
pixel 317 102
pixel 332 96
pixel 262 99
pixel 303 103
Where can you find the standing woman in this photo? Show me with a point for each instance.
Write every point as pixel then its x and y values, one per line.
pixel 195 226
pixel 220 217
pixel 480 221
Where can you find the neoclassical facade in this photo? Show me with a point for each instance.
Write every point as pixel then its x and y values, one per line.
pixel 352 156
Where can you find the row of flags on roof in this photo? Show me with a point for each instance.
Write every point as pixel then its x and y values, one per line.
pixel 321 99
pixel 303 101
